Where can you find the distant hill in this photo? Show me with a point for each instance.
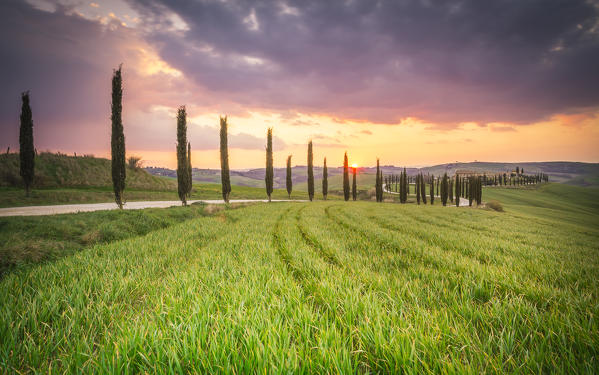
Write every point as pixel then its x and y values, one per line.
pixel 60 170
pixel 574 173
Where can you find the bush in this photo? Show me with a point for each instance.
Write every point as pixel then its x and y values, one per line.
pixel 495 205
pixel 134 162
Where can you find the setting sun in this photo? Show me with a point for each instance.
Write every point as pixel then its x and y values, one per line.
pixel 354 165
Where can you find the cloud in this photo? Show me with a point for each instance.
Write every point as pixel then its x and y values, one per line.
pixel 368 132
pixel 445 62
pixel 501 128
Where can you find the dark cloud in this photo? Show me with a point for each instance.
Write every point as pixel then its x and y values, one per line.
pixel 441 61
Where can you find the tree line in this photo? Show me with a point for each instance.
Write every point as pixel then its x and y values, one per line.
pixel 469 187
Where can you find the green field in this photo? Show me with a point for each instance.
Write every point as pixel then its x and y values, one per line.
pixel 323 287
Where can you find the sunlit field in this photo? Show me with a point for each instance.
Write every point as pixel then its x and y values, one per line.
pixel 322 287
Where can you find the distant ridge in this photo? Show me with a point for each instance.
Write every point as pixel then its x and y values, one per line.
pixel 574 173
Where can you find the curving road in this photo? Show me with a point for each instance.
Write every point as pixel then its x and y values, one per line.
pixel 73 208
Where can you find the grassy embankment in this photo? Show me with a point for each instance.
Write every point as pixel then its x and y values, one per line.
pixel 324 286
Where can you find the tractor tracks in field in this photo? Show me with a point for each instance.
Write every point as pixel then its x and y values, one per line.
pixel 283 251
pixel 313 242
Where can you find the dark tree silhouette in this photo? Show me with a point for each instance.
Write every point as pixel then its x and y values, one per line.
pixel 182 159
pixel 26 150
pixel 325 180
pixel 354 193
pixel 310 172
pixel 224 160
pixel 346 178
pixel 189 171
pixel 269 175
pixel 117 141
pixel 288 180
pixel 432 189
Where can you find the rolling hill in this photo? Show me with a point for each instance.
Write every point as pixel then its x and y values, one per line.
pixel 53 170
pixel 573 173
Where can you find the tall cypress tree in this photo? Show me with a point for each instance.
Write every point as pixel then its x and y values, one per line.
pixel 189 171
pixel 27 150
pixel 418 189
pixel 224 160
pixel 117 141
pixel 182 160
pixel 269 175
pixel 457 190
pixel 423 188
pixel 432 189
pixel 406 188
pixel 378 187
pixel 470 190
pixel 444 189
pixel 346 178
pixel 288 180
pixel 354 192
pixel 325 180
pixel 479 195
pixel 310 172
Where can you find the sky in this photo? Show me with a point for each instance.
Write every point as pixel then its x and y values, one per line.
pixel 412 82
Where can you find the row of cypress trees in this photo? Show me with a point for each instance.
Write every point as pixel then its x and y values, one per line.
pixel 184 169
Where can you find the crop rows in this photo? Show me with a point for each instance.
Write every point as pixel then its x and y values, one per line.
pixel 314 287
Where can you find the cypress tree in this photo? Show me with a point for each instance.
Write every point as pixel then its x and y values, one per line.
pixel 423 188
pixel 27 150
pixel 444 189
pixel 269 175
pixel 418 189
pixel 479 196
pixel 378 186
pixel 189 170
pixel 310 172
pixel 401 186
pixel 432 189
pixel 469 190
pixel 354 193
pixel 406 187
pixel 450 189
pixel 457 190
pixel 224 160
pixel 117 141
pixel 182 159
pixel 288 181
pixel 346 178
pixel 325 180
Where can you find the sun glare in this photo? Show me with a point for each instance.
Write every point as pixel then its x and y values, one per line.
pixel 354 165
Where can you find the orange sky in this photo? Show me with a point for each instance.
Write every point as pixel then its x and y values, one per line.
pixel 373 92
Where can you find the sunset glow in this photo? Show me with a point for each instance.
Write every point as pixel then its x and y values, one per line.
pixel 483 101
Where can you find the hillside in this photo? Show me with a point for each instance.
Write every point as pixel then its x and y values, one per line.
pixel 60 170
pixel 573 173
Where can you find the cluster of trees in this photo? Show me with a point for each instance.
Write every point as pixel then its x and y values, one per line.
pixel 514 179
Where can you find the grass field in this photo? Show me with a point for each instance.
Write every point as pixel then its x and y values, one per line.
pixel 323 287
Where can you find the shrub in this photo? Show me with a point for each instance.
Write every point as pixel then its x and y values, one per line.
pixel 495 205
pixel 134 162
